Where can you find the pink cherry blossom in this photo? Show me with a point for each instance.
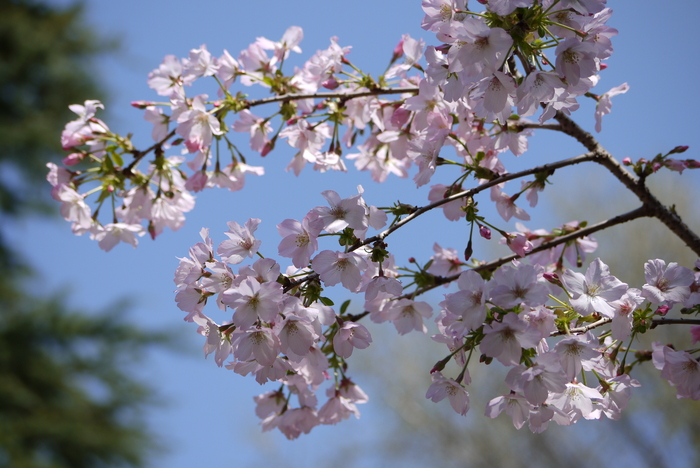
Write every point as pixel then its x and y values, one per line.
pixel 408 315
pixel 445 262
pixel 338 267
pixel 604 104
pixel 254 301
pixel 505 340
pixel 515 406
pixel 594 292
pixel 516 284
pixel 197 126
pixel 666 283
pixel 257 127
pixel 299 239
pixel 348 212
pixel 506 205
pixel 443 387
pixel 470 301
pixel 349 336
pixel 113 233
pixel 241 243
pixel 577 352
pixel 168 77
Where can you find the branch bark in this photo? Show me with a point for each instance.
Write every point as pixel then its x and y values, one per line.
pixel 636 186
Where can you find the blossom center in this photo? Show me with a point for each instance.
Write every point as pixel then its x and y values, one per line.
pixel 338 212
pixel 302 240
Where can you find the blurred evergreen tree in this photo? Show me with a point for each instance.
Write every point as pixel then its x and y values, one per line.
pixel 67 394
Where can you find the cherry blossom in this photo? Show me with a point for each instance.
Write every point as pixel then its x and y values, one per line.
pixel 458 114
pixel 666 283
pixel 241 243
pixel 443 387
pixel 350 336
pixel 594 292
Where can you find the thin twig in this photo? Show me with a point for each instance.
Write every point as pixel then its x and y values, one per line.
pixel 668 321
pixel 584 329
pixel 344 96
pixel 471 192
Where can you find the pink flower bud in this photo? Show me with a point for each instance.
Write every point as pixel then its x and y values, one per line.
pixel 627 161
pixel 603 66
pixel 552 278
pixel 679 149
pixel 676 165
pixel 485 232
pixel 330 83
pixel 655 167
pixel 398 51
pixel 692 164
pixel 468 251
pixel 269 146
pixel 662 310
pixel 73 159
pixel 142 104
pixel 400 117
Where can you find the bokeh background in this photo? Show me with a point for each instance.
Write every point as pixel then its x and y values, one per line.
pixel 203 415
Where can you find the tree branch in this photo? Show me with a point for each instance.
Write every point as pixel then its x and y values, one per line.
pixel 636 186
pixel 623 218
pixel 344 96
pixel 471 192
pixel 667 321
pixel 584 329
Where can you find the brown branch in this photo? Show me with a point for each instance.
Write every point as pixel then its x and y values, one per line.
pixel 584 329
pixel 138 155
pixel 524 126
pixel 667 321
pixel 471 192
pixel 654 323
pixel 623 218
pixel 636 186
pixel 344 96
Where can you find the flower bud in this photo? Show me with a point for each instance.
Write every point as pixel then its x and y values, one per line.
pixel 662 310
pixel 269 146
pixel 679 149
pixel 468 251
pixel 484 232
pixel 73 159
pixel 398 51
pixel 553 278
pixel 142 104
pixel 627 161
pixel 331 83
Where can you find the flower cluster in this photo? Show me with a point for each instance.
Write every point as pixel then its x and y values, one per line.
pixel 489 67
pixel 507 318
pixel 463 102
pixel 282 329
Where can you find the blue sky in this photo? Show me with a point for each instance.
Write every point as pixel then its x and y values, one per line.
pixel 207 416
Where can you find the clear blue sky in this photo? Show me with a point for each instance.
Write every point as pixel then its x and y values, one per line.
pixel 208 418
